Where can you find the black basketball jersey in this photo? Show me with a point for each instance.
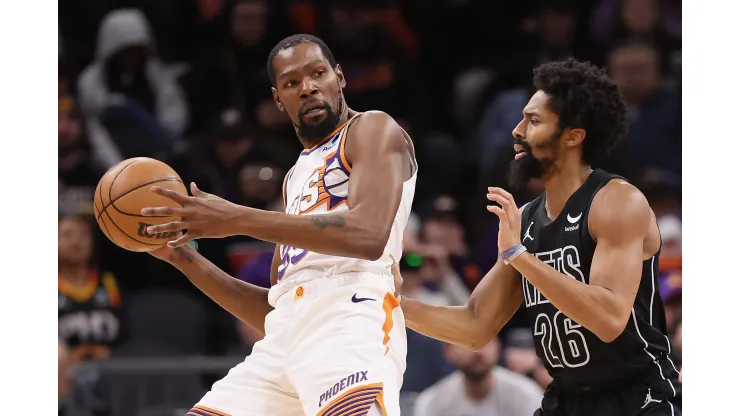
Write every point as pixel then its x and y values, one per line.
pixel 573 355
pixel 90 315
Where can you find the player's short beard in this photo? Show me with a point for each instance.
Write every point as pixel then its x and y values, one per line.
pixel 326 126
pixel 528 167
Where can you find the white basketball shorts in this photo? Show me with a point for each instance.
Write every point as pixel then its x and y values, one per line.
pixel 333 346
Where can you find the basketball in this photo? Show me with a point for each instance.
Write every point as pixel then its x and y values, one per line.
pixel 124 191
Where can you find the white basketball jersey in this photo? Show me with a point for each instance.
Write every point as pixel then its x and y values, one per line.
pixel 319 184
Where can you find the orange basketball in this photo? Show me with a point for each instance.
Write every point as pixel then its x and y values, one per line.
pixel 122 193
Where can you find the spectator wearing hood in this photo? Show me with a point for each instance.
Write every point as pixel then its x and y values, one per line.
pixel 133 100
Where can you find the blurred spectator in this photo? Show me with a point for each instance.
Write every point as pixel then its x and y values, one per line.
pixel 651 20
pixel 379 72
pixel 653 139
pixel 479 387
pixel 260 185
pixel 555 28
pixel 412 234
pixel 520 356
pixel 78 172
pixel 411 266
pixel 65 374
pixel 425 363
pixel 446 253
pixel 89 300
pixel 129 93
pixel 500 117
pixel 214 162
pixel 234 75
pixel 79 393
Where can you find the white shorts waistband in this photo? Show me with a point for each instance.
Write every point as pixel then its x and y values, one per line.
pixel 285 292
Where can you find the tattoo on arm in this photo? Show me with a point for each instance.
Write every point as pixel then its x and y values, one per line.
pixel 323 221
pixel 180 254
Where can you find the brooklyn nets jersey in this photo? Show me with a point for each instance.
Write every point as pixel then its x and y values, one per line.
pixel 573 355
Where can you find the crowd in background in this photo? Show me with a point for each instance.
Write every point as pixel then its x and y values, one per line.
pixel 185 82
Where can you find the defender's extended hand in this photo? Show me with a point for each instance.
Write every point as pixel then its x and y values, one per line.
pixel 203 215
pixel 510 219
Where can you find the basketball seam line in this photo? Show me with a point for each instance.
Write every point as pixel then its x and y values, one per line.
pixel 112 203
pixel 126 234
pixel 105 207
pixel 105 231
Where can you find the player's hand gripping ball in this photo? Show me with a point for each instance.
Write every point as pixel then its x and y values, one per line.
pixel 203 215
pixel 124 191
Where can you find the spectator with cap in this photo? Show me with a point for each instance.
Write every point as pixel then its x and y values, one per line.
pixel 479 387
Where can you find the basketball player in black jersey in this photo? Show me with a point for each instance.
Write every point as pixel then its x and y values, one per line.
pixel 582 258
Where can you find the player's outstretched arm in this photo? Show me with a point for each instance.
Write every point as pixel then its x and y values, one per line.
pixel 619 221
pixel 493 302
pixel 376 150
pixel 245 301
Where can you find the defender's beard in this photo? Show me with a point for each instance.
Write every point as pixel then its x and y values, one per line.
pixel 528 167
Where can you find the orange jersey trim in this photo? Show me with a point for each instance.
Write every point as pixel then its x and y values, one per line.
pixel 202 410
pixel 80 293
pixel 389 303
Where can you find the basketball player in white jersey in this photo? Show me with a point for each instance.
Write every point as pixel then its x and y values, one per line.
pixel 335 341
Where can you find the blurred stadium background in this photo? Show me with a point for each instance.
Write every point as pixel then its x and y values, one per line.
pixel 184 81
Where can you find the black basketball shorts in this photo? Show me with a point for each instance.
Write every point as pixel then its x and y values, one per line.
pixel 652 394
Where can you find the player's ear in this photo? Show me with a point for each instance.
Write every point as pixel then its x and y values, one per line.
pixel 340 76
pixel 574 137
pixel 276 98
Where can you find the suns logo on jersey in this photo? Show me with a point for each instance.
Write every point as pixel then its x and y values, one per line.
pixel 324 190
pixel 326 187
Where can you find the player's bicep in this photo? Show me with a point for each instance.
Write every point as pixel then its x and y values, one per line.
pixel 496 298
pixel 619 225
pixel 376 153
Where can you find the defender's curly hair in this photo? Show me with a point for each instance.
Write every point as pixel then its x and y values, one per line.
pixel 294 40
pixel 583 96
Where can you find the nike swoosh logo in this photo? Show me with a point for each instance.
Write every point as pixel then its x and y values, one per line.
pixel 355 299
pixel 574 220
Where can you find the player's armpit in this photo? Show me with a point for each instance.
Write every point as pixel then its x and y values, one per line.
pixel 492 304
